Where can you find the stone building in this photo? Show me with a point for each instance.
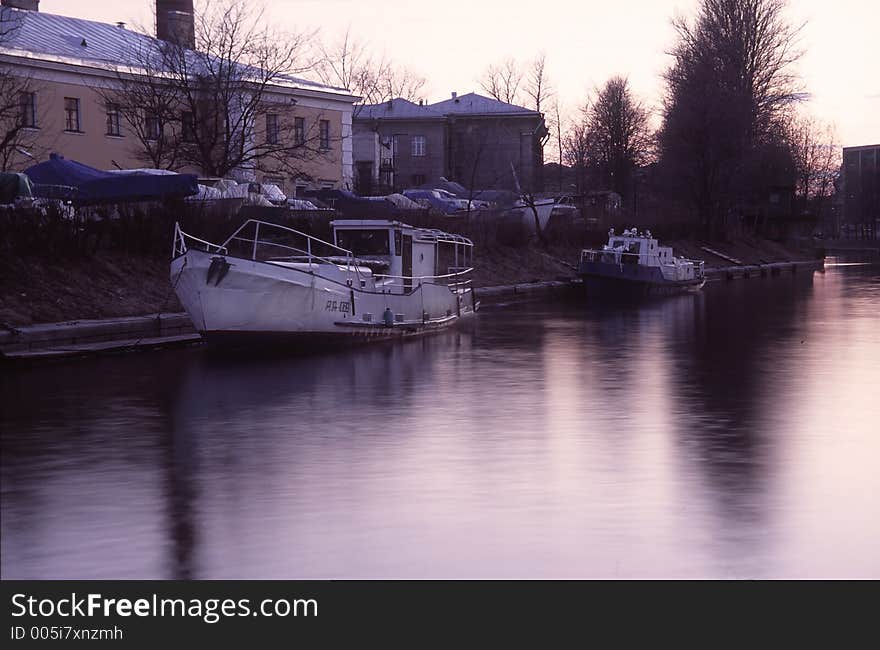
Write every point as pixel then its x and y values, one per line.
pixel 476 141
pixel 860 187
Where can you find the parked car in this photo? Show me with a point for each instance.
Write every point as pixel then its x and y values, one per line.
pixel 351 205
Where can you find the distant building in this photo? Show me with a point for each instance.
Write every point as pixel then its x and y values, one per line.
pixel 476 141
pixel 68 59
pixel 397 145
pixel 860 187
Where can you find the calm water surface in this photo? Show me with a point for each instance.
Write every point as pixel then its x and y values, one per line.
pixel 728 434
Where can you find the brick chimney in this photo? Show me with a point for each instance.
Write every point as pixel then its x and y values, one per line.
pixel 32 5
pixel 175 23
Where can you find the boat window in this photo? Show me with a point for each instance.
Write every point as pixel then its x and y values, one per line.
pixel 635 246
pixel 364 242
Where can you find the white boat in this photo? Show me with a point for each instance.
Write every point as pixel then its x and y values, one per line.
pixel 525 211
pixel 634 262
pixel 378 279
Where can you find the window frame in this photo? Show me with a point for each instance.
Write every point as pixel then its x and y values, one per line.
pixel 113 120
pixel 76 112
pixel 324 135
pixel 28 102
pixel 187 126
pixel 151 135
pixel 419 146
pixel 299 131
pixel 272 130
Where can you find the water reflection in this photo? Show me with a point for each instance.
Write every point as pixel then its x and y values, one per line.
pixel 696 436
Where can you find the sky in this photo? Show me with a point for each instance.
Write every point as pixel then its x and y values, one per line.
pixel 585 42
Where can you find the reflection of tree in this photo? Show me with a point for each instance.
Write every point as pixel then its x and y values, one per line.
pixel 181 495
pixel 726 376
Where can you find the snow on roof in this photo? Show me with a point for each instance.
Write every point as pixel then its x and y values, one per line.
pixel 474 104
pixel 89 43
pixel 397 109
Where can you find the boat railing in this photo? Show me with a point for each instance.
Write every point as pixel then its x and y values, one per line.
pixel 179 247
pixel 593 254
pixel 456 279
pixel 338 256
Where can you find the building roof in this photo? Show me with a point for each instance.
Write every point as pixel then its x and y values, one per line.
pixel 863 147
pixel 398 109
pixel 63 39
pixel 471 104
pixel 474 104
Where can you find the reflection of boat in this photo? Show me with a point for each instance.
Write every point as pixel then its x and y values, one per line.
pixel 379 279
pixel 636 261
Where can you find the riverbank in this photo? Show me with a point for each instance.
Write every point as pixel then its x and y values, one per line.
pixel 42 289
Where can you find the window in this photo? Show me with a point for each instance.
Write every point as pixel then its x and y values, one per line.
pixel 324 133
pixel 28 110
pixel 113 120
pixel 418 179
pixel 418 145
pixel 188 126
pixel 71 114
pixel 364 242
pixel 299 130
pixel 271 128
pixel 152 127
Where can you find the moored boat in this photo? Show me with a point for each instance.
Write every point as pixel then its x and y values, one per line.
pixel 378 279
pixel 635 262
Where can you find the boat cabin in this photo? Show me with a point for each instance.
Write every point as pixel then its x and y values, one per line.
pixel 638 248
pixel 634 248
pixel 402 256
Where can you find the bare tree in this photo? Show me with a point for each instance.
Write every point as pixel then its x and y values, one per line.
pixel 221 107
pixel 728 90
pixel 349 63
pixel 149 104
pixel 618 136
pixel 537 85
pixel 817 158
pixel 502 80
pixel 19 109
pixel 575 153
pixel 556 126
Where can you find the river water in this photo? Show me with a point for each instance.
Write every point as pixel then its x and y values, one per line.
pixel 730 434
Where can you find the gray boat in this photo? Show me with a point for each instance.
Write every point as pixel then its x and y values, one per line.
pixel 634 262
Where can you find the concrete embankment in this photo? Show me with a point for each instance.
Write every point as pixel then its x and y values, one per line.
pixel 89 337
pixel 115 335
pixel 152 331
pixel 745 271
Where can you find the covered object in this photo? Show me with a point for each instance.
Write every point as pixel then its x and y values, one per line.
pixel 95 186
pixel 13 186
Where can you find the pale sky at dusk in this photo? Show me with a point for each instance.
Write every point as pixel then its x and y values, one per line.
pixel 585 42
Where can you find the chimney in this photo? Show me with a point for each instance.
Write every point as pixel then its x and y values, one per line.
pixel 175 23
pixel 454 95
pixel 32 5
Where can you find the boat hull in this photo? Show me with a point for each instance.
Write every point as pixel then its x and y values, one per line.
pixel 631 280
pixel 235 300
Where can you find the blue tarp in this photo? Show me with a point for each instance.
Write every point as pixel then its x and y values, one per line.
pixel 95 186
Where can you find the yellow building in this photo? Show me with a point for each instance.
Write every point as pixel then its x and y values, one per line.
pixel 70 64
